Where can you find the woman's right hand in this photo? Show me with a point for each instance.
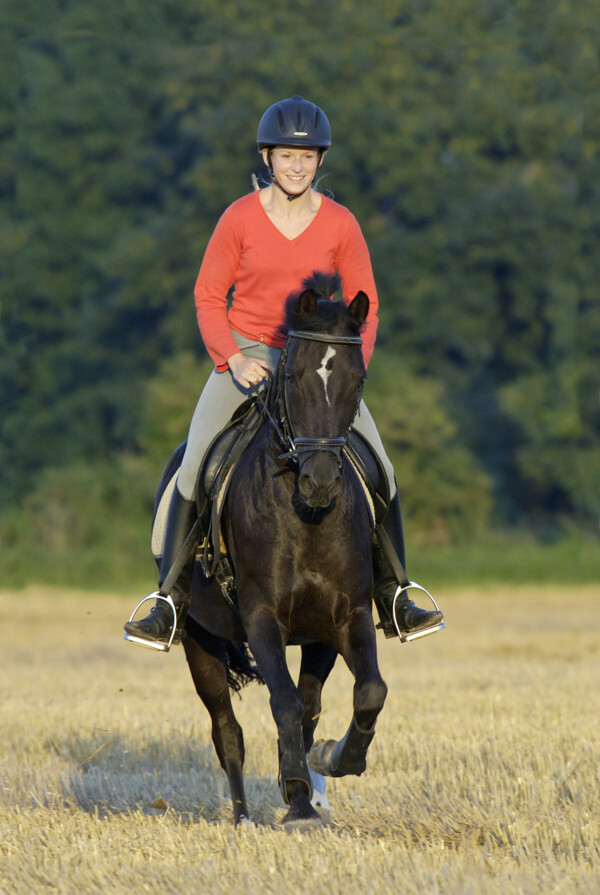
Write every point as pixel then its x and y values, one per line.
pixel 247 371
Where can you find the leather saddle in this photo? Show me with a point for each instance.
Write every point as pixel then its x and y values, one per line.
pixel 213 481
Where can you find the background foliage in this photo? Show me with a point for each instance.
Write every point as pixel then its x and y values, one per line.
pixel 466 141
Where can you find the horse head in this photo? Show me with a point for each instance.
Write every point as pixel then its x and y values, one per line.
pixel 321 377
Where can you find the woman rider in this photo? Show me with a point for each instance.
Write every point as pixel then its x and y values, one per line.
pixel 266 244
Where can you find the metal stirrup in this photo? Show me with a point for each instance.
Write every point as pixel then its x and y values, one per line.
pixel 404 637
pixel 154 644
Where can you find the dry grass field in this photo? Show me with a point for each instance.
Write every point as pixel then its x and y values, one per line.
pixel 483 776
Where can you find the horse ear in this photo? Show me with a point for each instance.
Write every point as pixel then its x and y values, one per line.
pixel 359 307
pixel 307 302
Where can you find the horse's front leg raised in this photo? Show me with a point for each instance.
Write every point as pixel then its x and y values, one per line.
pixel 349 755
pixel 287 705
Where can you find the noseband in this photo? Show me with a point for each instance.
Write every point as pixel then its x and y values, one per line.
pixel 303 445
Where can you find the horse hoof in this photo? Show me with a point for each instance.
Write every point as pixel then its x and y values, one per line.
pixel 301 815
pixel 301 824
pixel 319 757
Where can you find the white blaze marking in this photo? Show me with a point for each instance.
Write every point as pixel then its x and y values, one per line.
pixel 323 372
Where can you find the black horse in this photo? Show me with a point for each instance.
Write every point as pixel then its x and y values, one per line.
pixel 297 531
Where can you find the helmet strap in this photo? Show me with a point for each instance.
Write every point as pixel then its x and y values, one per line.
pixel 290 196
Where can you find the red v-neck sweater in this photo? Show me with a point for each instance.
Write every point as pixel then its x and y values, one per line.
pixel 248 251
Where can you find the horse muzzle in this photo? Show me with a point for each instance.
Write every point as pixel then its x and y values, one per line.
pixel 320 477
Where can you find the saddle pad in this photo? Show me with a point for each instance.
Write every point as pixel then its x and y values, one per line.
pixel 160 518
pixel 159 524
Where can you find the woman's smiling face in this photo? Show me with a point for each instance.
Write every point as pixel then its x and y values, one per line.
pixel 294 167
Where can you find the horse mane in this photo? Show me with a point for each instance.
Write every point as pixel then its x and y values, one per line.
pixel 328 314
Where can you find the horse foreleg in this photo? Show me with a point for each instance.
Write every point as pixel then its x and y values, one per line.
pixel 287 706
pixel 207 661
pixel 349 755
pixel 317 662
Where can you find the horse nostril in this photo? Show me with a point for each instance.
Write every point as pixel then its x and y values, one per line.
pixel 306 484
pixel 335 486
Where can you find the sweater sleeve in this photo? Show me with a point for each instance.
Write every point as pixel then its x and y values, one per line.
pixel 354 266
pixel 215 279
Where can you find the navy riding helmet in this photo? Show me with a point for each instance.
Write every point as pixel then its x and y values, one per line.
pixel 294 122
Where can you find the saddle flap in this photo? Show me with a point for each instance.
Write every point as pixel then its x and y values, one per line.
pixel 213 476
pixel 227 447
pixel 371 474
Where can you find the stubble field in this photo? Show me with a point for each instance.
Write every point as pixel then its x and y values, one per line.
pixel 483 776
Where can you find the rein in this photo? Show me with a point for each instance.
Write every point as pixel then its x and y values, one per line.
pixel 298 445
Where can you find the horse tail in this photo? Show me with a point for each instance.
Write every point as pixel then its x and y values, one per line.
pixel 235 656
pixel 241 667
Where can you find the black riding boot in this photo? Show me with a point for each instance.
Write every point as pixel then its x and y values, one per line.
pixel 157 626
pixel 409 617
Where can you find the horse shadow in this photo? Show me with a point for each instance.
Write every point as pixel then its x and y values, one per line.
pixel 176 778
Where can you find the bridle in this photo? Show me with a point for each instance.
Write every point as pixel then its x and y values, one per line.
pixel 300 446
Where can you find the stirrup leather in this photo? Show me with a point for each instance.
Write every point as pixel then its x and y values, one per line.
pixel 161 645
pixel 404 637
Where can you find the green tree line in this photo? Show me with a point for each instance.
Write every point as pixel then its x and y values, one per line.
pixel 467 143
